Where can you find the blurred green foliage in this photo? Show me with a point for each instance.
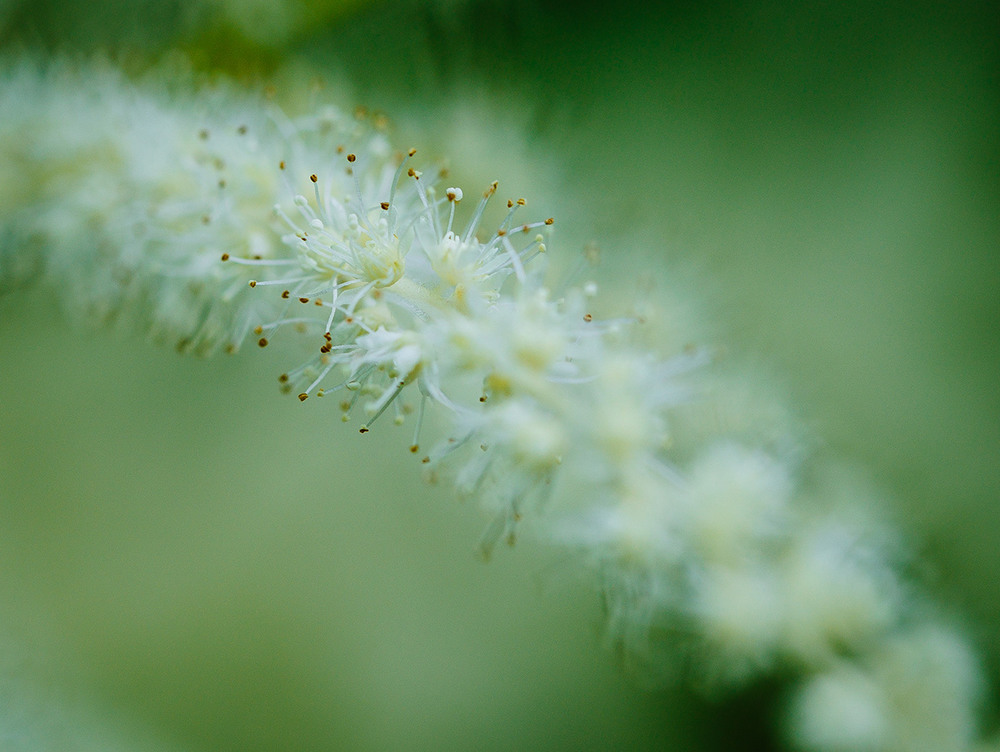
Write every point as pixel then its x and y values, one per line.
pixel 244 573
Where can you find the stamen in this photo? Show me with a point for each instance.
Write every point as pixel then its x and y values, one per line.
pixel 478 215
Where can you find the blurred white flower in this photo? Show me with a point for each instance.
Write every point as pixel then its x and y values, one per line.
pixel 207 217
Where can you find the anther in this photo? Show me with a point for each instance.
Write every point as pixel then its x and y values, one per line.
pixel 262 342
pixel 550 220
pixel 285 294
pixel 363 429
pixel 414 448
pixel 242 130
pixel 303 397
pixel 313 177
pixel 252 283
pixel 303 300
pixel 258 330
pixel 411 152
pixel 385 206
pixel 283 378
pixel 351 157
pixel 281 165
pixel 225 257
pixel 588 318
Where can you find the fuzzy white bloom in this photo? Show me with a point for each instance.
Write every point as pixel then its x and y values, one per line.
pixel 212 218
pixel 914 693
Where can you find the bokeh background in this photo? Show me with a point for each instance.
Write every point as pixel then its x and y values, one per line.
pixel 190 561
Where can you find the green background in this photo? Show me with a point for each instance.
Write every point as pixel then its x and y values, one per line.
pixel 189 560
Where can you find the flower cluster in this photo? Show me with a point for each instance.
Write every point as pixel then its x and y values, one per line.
pixel 213 219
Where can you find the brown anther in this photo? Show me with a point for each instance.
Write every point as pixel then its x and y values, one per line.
pixel 510 203
pixel 501 233
pixel 425 460
pixel 281 165
pixel 242 130
pixel 326 348
pixel 303 397
pixel 303 300
pixel 313 177
pixel 256 257
pixel 285 294
pixel 588 318
pixel 262 342
pixel 253 283
pixel 283 378
pixel 491 190
pixel 225 257
pixel 414 448
pixel 318 302
pixel 351 157
pixel 411 152
pixel 550 220
pixel 363 429
pixel 348 319
pixel 483 398
pixel 327 336
pixel 521 202
pixel 385 206
pixel 411 172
